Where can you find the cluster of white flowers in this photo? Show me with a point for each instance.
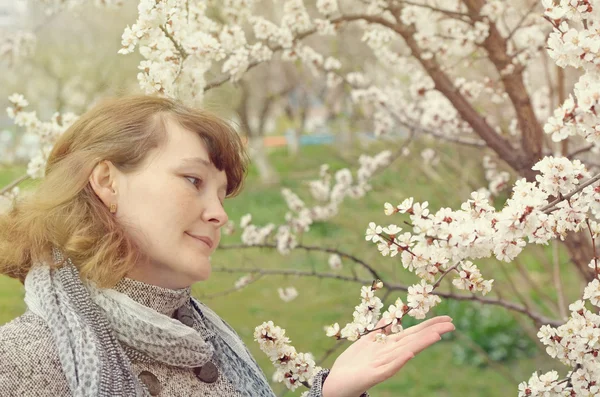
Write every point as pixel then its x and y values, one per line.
pixel 440 35
pixel 182 41
pixel 442 241
pixel 430 157
pixel 366 315
pixel 327 7
pixel 493 9
pixel 16 46
pixel 330 190
pixel 295 16
pixel 470 279
pixel 577 345
pixel 473 89
pixel 497 181
pixel 420 299
pixel 393 315
pixel 292 368
pixel 46 132
pixel 580 49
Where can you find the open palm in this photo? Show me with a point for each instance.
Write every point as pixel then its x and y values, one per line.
pixel 366 362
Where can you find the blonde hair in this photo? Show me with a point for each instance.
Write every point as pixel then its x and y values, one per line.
pixel 65 212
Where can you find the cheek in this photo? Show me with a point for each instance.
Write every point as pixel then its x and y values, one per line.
pixel 156 208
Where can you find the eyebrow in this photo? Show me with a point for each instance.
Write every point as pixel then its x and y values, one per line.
pixel 201 161
pixel 196 161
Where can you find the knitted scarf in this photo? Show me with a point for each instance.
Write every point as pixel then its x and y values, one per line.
pixel 88 324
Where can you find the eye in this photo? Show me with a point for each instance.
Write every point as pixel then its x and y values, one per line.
pixel 197 183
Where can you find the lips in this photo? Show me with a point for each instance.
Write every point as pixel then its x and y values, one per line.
pixel 207 240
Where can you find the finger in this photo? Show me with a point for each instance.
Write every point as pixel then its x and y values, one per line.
pixel 385 330
pixel 406 352
pixel 418 344
pixel 440 328
pixel 391 368
pixel 412 343
pixel 425 324
pixel 423 337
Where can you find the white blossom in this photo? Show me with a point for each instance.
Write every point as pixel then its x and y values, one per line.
pixel 335 262
pixel 287 294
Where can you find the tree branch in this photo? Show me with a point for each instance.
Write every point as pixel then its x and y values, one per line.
pixel 522 20
pixel 311 248
pixel 550 207
pixel 450 13
pixel 14 183
pixel 581 150
pixel 477 122
pixel 538 318
pixel 531 130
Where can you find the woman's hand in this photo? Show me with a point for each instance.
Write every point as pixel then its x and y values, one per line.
pixel 367 362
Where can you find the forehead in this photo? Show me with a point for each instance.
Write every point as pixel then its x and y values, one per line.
pixel 181 142
pixel 185 148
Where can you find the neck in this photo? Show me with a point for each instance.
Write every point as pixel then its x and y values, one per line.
pixel 159 277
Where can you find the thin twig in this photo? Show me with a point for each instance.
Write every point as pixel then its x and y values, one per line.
pixel 584 149
pixel 458 14
pixel 178 46
pixel 524 300
pixel 535 287
pixel 229 291
pixel 523 18
pixel 549 207
pixel 439 280
pixel 312 248
pixel 14 183
pixel 537 317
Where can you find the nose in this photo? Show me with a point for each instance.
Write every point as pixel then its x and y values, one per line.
pixel 215 213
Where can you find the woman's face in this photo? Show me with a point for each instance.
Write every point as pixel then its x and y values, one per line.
pixel 173 207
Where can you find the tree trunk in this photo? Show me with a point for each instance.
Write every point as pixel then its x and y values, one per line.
pixel 581 251
pixel 267 173
pixel 345 138
pixel 293 142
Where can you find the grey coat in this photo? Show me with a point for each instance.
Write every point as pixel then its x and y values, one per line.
pixel 30 367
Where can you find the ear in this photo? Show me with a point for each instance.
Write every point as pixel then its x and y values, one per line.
pixel 103 180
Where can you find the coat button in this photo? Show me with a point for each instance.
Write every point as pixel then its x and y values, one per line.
pixel 208 373
pixel 151 382
pixel 185 316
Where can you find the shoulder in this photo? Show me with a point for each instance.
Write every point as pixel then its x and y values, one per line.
pixel 29 363
pixel 213 318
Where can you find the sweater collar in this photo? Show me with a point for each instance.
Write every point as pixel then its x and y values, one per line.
pixel 164 300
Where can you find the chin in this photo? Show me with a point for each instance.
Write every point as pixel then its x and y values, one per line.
pixel 200 272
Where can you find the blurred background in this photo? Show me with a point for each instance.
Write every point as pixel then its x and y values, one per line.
pixel 293 124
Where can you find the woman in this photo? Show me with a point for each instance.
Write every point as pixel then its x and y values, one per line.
pixel 124 222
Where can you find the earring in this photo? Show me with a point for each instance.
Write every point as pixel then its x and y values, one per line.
pixel 113 208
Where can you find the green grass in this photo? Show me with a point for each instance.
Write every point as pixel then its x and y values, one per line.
pixel 324 301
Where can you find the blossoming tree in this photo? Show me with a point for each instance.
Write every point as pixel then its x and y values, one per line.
pixel 475 72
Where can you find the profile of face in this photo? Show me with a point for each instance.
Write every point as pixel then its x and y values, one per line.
pixel 172 206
